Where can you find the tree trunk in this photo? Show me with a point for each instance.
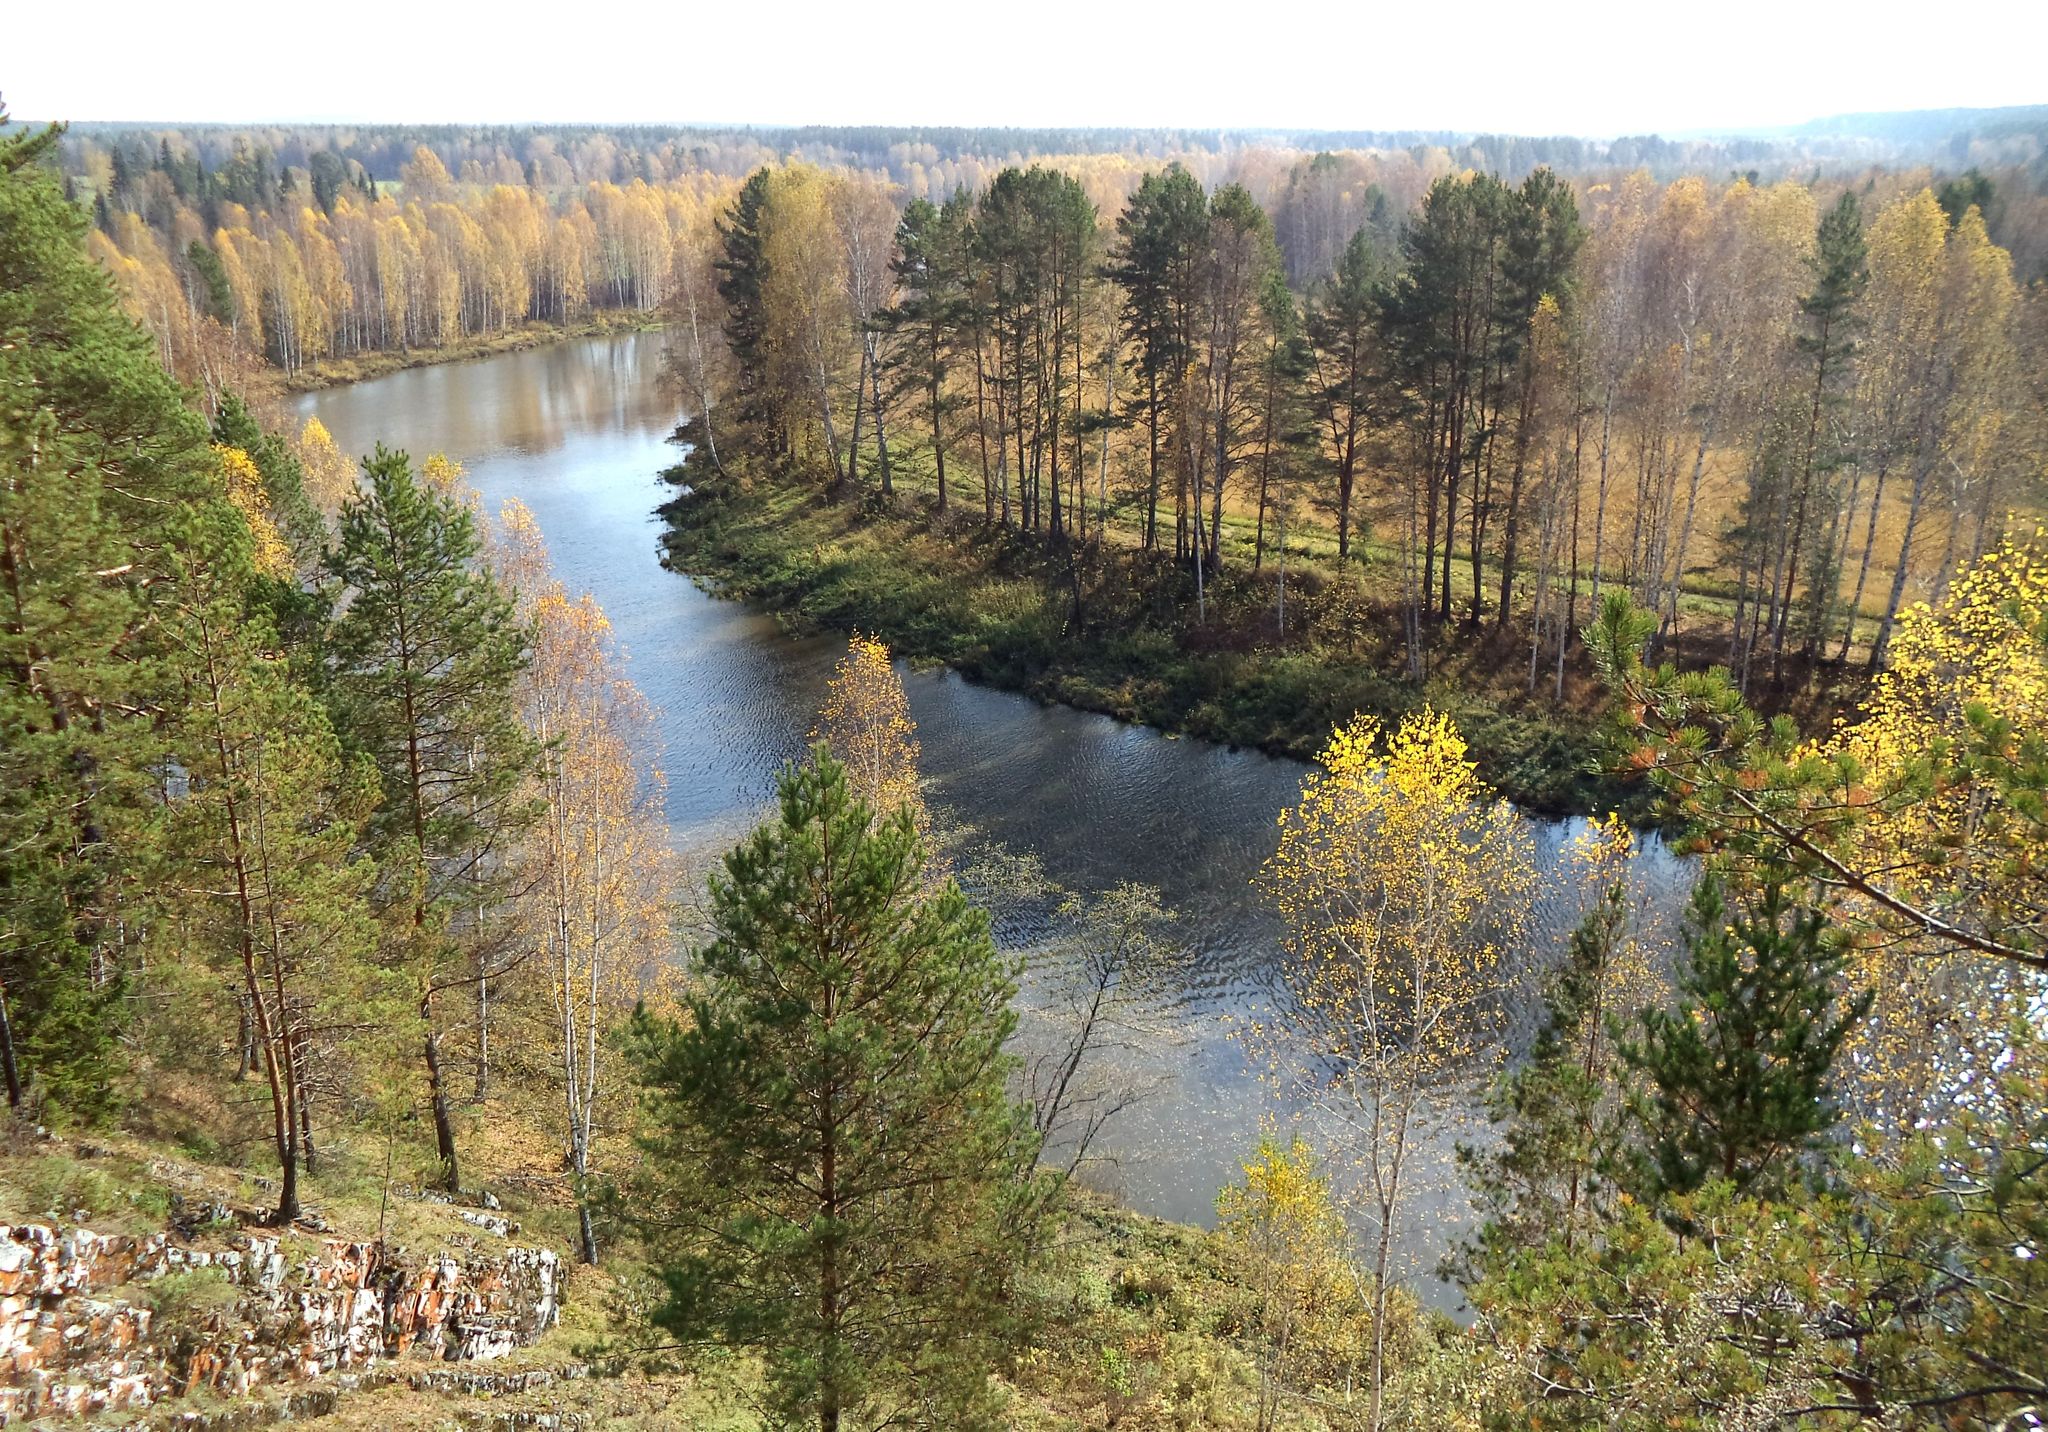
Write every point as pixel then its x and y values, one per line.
pixel 860 393
pixel 1382 1253
pixel 882 431
pixel 1152 482
pixel 1914 508
pixel 1513 530
pixel 437 1095
pixel 938 434
pixel 1600 502
pixel 8 1066
pixel 1863 566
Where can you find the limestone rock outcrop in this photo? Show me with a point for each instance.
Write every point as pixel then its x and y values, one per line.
pixel 79 1331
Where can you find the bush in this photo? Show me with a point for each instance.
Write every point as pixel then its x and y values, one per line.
pixel 1092 1293
pixel 1142 1284
pixel 63 1189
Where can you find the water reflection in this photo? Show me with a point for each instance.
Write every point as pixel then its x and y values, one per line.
pixel 576 431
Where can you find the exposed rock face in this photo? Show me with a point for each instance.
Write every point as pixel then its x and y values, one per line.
pixel 77 1334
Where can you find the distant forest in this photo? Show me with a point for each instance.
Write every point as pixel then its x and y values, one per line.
pixel 2014 138
pixel 1787 381
pixel 263 227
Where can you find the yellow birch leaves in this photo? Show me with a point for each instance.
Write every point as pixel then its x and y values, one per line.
pixel 1972 663
pixel 244 486
pixel 866 721
pixel 1402 883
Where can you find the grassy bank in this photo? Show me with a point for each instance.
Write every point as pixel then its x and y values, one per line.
pixel 334 372
pixel 1111 629
pixel 1132 1322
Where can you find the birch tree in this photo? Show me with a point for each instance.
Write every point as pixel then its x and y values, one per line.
pixel 1402 883
pixel 601 870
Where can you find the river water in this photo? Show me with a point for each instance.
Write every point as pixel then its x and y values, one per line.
pixel 577 431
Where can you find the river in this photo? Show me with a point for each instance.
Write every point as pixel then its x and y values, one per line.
pixel 577 431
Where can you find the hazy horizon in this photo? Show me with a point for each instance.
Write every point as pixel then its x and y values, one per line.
pixel 769 126
pixel 1594 70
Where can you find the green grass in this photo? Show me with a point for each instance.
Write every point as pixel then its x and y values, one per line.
pixel 1129 1321
pixel 999 608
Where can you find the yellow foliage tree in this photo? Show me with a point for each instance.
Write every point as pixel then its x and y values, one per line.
pixel 1402 882
pixel 328 477
pixel 244 484
pixel 599 909
pixel 1284 1225
pixel 1969 668
pixel 866 721
pixel 445 475
pixel 808 337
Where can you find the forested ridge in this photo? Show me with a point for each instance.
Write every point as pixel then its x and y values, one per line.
pixel 1774 414
pixel 1590 374
pixel 405 237
pixel 334 872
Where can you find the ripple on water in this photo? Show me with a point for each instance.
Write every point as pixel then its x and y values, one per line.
pixel 576 430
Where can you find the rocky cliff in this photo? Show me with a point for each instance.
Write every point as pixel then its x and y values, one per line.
pixel 88 1324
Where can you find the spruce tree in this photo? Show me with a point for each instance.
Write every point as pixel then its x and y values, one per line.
pixel 834 1162
pixel 1738 1074
pixel 743 270
pixel 426 652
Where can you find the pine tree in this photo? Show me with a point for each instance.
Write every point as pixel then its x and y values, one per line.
pixel 925 323
pixel 426 655
pixel 1554 1159
pixel 86 598
pixel 1738 1075
pixel 261 847
pixel 1343 318
pixel 1287 442
pixel 1161 236
pixel 1832 319
pixel 1544 238
pixel 833 1158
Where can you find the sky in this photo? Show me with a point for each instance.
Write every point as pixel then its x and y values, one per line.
pixel 1589 67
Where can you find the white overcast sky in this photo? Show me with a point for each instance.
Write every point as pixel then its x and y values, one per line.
pixel 1590 67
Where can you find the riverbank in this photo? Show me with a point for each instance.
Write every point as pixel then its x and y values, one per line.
pixel 1108 629
pixel 337 372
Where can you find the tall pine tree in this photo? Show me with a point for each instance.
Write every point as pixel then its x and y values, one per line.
pixel 1738 1075
pixel 261 848
pixel 1343 327
pixel 1832 317
pixel 426 652
pixel 931 271
pixel 833 1154
pixel 1555 1158
pixel 100 466
pixel 1162 235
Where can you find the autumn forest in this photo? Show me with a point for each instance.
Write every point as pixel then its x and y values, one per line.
pixel 1573 613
